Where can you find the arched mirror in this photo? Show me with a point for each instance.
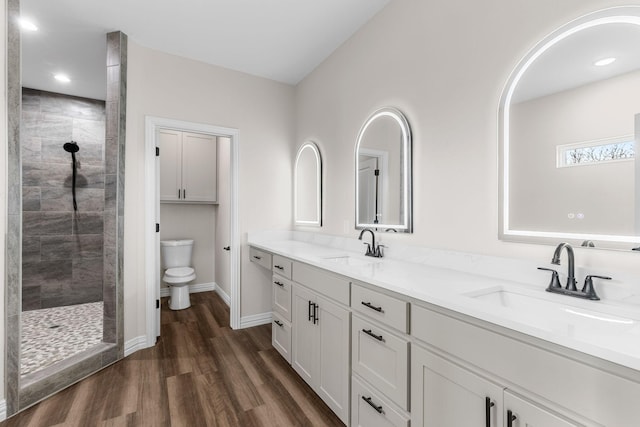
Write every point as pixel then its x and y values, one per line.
pixel 569 126
pixel 308 186
pixel 383 173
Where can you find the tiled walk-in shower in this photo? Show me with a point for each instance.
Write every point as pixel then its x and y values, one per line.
pixel 51 335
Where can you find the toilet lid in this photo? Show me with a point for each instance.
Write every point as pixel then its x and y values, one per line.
pixel 179 272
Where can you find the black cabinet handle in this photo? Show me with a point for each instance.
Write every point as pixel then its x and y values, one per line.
pixel 315 313
pixel 184 194
pixel 371 334
pixel 178 193
pixel 279 323
pixel 510 418
pixel 488 404
pixel 228 248
pixel 373 405
pixel 372 307
pixel 310 311
pixel 279 284
pixel 257 257
pixel 279 267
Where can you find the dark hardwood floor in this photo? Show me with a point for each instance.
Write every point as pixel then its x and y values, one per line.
pixel 200 373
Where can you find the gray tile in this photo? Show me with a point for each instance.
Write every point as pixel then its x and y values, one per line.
pixel 31 148
pixel 91 154
pixel 30 100
pixel 31 298
pixel 13 265
pixel 111 156
pixel 89 177
pixel 113 48
pixel 61 199
pixel 112 123
pixel 110 355
pixel 57 247
pixel 55 127
pixel 71 106
pixel 45 174
pixel 113 83
pixel 31 198
pixel 88 131
pixel 52 276
pixel 88 223
pixel 52 151
pixel 87 273
pixel 88 246
pixel 46 223
pixel 110 192
pixel 110 231
pixel 31 249
pixel 29 127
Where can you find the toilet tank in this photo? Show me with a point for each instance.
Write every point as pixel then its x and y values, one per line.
pixel 176 253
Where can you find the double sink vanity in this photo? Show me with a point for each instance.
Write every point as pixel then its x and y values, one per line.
pixel 446 339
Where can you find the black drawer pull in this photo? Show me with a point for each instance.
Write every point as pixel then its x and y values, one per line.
pixel 372 307
pixel 510 418
pixel 488 404
pixel 279 284
pixel 315 313
pixel 279 267
pixel 257 257
pixel 371 334
pixel 279 323
pixel 373 405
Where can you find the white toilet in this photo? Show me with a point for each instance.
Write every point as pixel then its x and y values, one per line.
pixel 176 258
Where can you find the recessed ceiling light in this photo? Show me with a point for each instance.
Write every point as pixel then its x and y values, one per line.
pixel 25 24
pixel 603 62
pixel 62 78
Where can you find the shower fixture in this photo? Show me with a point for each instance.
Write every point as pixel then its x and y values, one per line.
pixel 72 147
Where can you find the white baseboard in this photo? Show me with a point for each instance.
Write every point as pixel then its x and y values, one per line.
pixel 3 410
pixel 135 344
pixel 198 287
pixel 225 296
pixel 255 320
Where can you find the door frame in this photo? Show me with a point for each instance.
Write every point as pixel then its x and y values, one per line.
pixel 152 211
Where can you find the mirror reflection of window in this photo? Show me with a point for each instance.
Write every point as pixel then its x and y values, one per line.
pixel 568 136
pixel 308 186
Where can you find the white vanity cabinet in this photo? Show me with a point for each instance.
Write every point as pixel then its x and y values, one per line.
pixel 188 167
pixel 281 323
pixel 537 383
pixel 320 347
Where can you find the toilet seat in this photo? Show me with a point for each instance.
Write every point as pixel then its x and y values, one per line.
pixel 179 275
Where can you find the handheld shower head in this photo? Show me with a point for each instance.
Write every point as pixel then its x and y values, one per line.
pixel 71 147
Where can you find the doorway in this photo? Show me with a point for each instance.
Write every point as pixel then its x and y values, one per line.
pixel 228 186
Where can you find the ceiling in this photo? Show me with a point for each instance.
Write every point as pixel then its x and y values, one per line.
pixel 282 40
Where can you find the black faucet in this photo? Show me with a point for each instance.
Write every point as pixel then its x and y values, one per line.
pixel 372 249
pixel 587 292
pixel 571 279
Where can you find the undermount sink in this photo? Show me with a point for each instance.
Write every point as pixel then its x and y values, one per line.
pixel 545 311
pixel 350 261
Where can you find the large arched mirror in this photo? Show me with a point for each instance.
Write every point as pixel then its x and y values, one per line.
pixel 569 122
pixel 383 173
pixel 308 186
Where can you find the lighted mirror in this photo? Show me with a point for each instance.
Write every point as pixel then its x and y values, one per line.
pixel 383 173
pixel 308 186
pixel 569 122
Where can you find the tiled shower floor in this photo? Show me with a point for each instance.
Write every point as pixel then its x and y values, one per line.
pixel 54 334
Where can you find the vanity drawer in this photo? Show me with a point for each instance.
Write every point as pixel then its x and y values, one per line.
pixel 281 336
pixel 381 358
pixel 371 409
pixel 263 259
pixel 281 297
pixel 327 284
pixel 282 266
pixel 384 308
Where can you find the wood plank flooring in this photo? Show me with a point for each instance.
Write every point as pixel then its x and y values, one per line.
pixel 200 373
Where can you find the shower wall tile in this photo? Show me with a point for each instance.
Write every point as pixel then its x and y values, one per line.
pixel 62 249
pixel 46 223
pixel 31 198
pixel 110 192
pixel 88 223
pixel 111 156
pixel 31 249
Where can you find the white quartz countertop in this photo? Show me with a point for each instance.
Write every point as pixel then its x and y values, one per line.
pixel 609 330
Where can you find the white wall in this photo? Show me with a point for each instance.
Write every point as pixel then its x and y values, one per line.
pixel 444 64
pixel 542 195
pixel 197 222
pixel 164 85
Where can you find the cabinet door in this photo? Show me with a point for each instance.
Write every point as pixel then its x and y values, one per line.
pixel 444 394
pixel 170 144
pixel 332 383
pixel 281 297
pixel 527 414
pixel 304 341
pixel 281 336
pixel 199 167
